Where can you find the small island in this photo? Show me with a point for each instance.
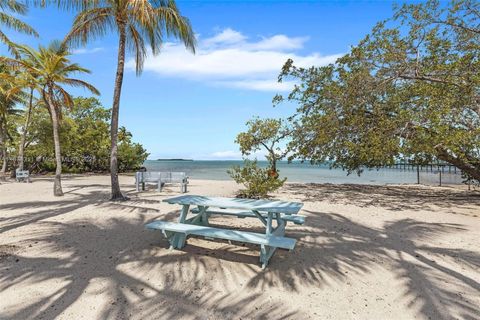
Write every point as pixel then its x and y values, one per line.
pixel 174 159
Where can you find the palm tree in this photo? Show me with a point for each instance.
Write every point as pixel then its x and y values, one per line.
pixel 8 109
pixel 52 69
pixel 26 83
pixel 138 23
pixel 11 22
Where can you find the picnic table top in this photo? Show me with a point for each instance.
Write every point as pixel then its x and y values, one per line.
pixel 274 206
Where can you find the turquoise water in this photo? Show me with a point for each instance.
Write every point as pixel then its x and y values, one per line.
pixel 296 172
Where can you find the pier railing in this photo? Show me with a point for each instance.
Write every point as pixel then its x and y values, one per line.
pixel 432 174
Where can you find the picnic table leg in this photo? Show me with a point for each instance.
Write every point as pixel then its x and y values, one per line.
pixel 178 239
pixel 201 218
pixel 266 252
pixel 280 229
pixel 204 215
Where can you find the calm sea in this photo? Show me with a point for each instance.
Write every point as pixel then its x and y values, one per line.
pixel 301 172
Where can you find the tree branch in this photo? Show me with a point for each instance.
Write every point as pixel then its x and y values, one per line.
pixel 466 167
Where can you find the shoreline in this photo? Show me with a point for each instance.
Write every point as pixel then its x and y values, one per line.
pixel 65 176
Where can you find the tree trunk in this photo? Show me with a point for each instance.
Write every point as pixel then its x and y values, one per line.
pixel 21 149
pixel 4 156
pixel 470 169
pixel 116 193
pixel 273 166
pixel 57 184
pixel 3 144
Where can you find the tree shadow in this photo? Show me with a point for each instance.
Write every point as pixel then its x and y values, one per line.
pixel 103 263
pixel 140 277
pixel 336 247
pixel 394 198
pixel 53 208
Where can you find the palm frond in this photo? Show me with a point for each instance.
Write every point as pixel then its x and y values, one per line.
pixel 10 45
pixel 137 46
pixel 81 84
pixel 16 24
pixel 67 5
pixel 63 97
pixel 14 6
pixel 89 25
pixel 174 24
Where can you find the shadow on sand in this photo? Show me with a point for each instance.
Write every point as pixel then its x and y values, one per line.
pixel 176 284
pixel 389 197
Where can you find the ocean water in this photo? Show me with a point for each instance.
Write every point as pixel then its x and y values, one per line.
pixel 303 172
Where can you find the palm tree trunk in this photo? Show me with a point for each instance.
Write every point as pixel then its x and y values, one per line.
pixel 21 149
pixel 3 143
pixel 4 156
pixel 116 193
pixel 57 184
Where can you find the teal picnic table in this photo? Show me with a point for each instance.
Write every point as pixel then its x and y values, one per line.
pixel 267 211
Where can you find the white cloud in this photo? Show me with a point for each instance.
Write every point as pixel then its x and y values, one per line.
pixel 87 51
pixel 230 59
pixel 280 42
pixel 259 85
pixel 231 155
pixel 225 155
pixel 227 36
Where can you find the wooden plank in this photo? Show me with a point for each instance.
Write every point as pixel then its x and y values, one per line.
pixel 297 219
pixel 235 203
pixel 234 235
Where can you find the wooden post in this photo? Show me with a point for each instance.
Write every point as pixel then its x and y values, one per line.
pixel 418 175
pixel 440 173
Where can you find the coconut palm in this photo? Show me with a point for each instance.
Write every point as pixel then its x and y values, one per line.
pixel 52 70
pixel 26 83
pixel 13 23
pixel 138 23
pixel 8 103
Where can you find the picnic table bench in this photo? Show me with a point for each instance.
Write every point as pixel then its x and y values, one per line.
pixel 265 210
pixel 160 178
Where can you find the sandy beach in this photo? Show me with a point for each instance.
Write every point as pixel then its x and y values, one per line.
pixel 365 252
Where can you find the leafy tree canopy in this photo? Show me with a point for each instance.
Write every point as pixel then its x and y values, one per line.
pixel 267 134
pixel 410 90
pixel 85 140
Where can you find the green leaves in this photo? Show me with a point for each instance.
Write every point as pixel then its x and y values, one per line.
pixel 145 22
pixel 9 21
pixel 258 182
pixel 264 133
pixel 408 88
pixel 85 140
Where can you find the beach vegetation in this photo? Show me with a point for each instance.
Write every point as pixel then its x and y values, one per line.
pixel 52 69
pixel 265 134
pixel 8 113
pixel 409 90
pixel 258 182
pixel 84 136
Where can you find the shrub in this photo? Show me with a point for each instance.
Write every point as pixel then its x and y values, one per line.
pixel 258 182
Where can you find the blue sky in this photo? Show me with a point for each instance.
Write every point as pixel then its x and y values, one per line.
pixel 193 106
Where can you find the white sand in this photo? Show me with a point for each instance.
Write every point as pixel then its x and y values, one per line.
pixel 365 252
